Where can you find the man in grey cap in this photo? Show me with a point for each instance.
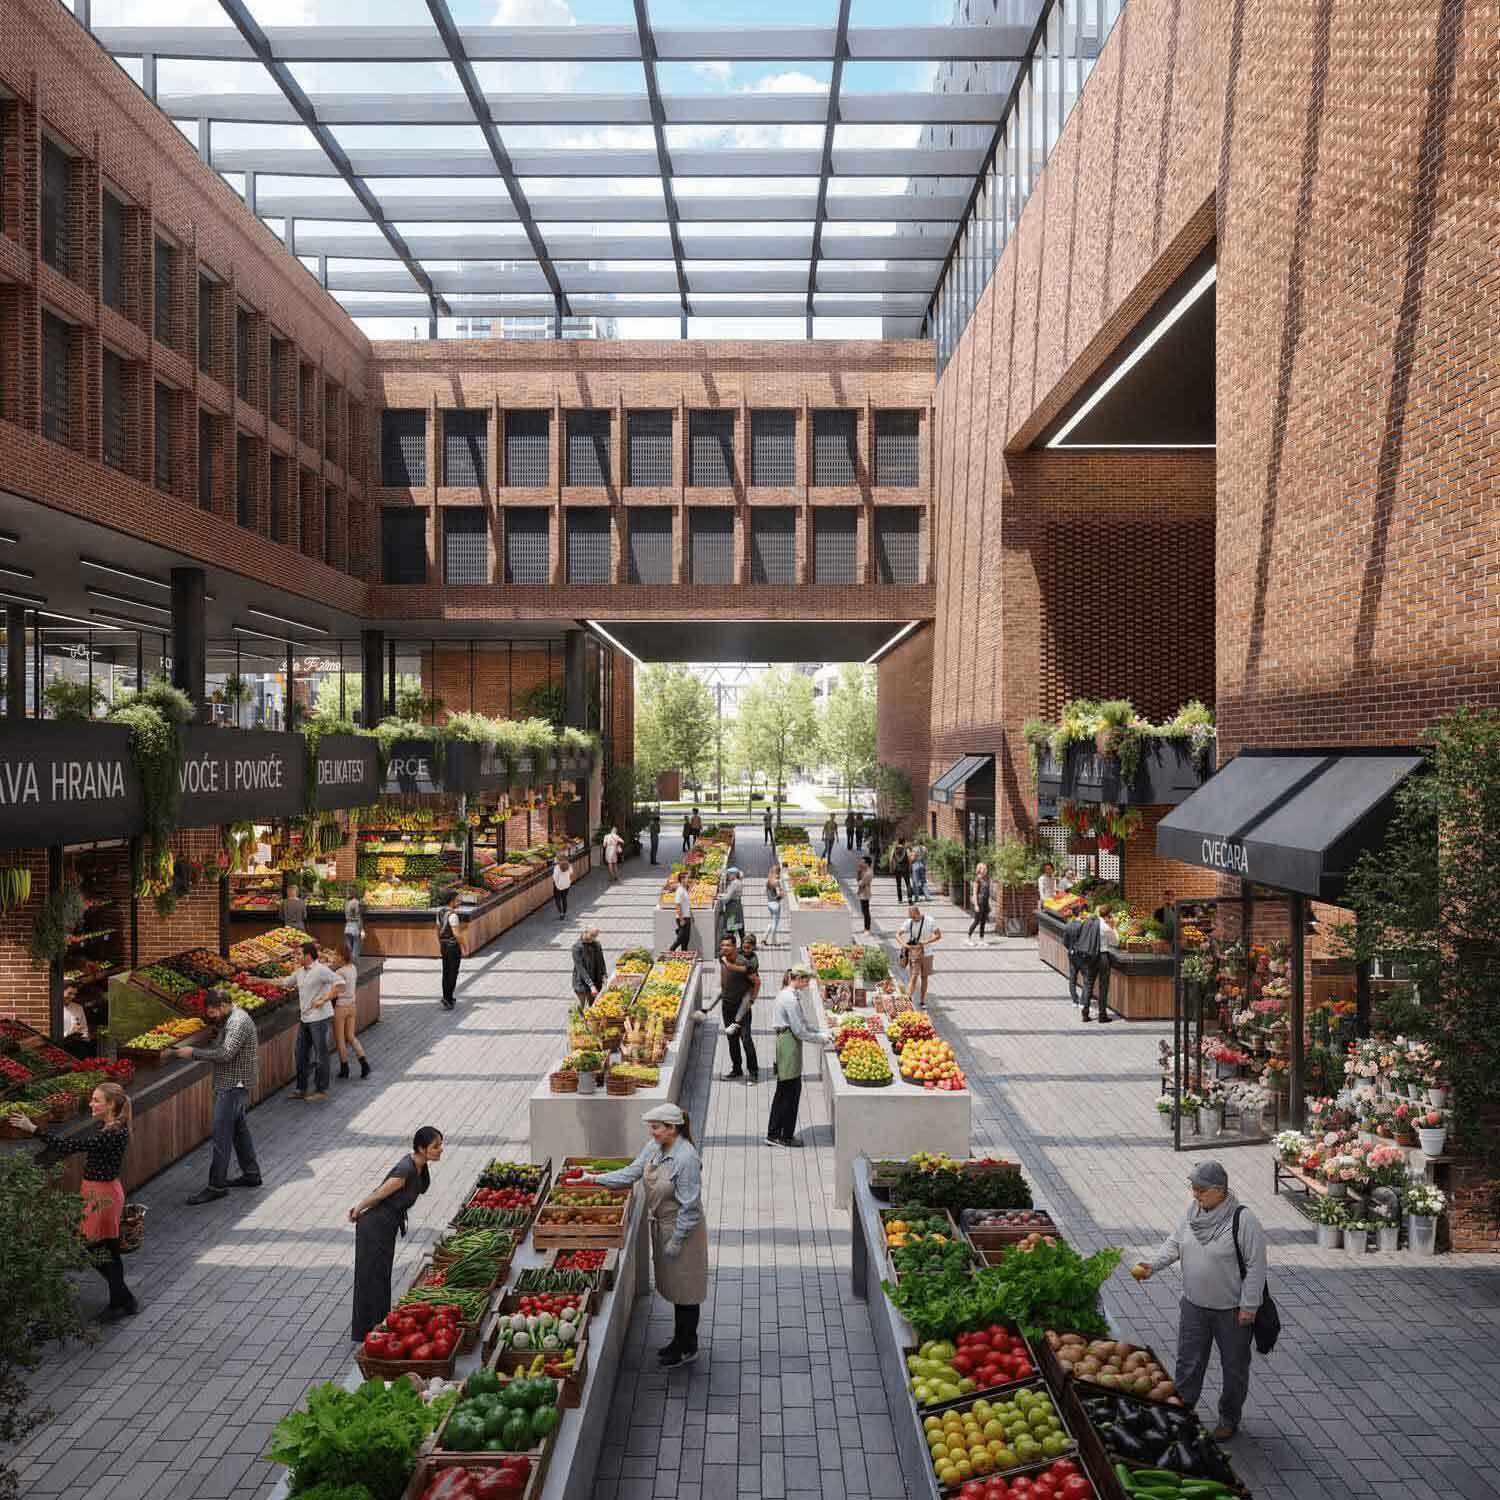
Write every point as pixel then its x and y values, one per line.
pixel 1222 1248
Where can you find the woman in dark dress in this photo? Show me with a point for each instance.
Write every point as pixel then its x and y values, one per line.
pixel 377 1221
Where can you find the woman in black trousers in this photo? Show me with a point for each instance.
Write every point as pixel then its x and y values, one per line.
pixel 377 1221
pixel 449 950
pixel 981 892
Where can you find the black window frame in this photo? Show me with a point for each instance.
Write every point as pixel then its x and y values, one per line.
pixel 908 539
pixel 835 448
pixel 57 379
pixel 773 565
pixel 898 456
pixel 162 422
pixel 590 431
pixel 590 544
pixel 466 447
pixel 528 448
pixel 244 337
pixel 244 464
pixel 112 251
pixel 403 447
pixel 466 544
pixel 276 523
pixel 711 448
pixel 835 546
pixel 410 528
pixel 206 435
pixel 207 341
pixel 56 227
pixel 524 524
pixel 773 448
pixel 709 563
pixel 276 381
pixel 648 448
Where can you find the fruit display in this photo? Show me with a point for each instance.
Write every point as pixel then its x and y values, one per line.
pixel 588 1196
pixel 995 1437
pixel 580 1260
pixel 634 961
pixel 830 961
pixel 498 1416
pixel 909 1026
pixel 502 1173
pixel 1107 1362
pixel 931 1063
pixel 201 966
pixel 506 1476
pixel 280 938
pixel 864 1062
pixel 167 1034
pixel 642 1075
pixel 700 892
pixel 1060 1480
pixel 943 1370
pixel 1009 1218
pixel 164 981
pixel 1159 1438
pixel 909 1229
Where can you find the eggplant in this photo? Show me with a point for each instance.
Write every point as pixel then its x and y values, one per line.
pixel 1180 1458
pixel 1122 1441
pixel 1214 1465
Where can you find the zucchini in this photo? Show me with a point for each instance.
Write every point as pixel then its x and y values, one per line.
pixel 1159 1478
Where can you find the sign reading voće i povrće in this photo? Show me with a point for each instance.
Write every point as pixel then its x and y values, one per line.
pixel 234 774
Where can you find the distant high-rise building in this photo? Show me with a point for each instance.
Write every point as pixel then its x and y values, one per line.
pixel 521 325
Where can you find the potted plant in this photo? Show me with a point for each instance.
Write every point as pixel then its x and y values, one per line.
pixel 1253 1100
pixel 1211 1112
pixel 1289 1146
pixel 1431 1125
pixel 1357 1234
pixel 1330 1215
pixel 1166 1112
pixel 1338 1172
pixel 1188 1107
pixel 1387 1231
pixel 1423 1204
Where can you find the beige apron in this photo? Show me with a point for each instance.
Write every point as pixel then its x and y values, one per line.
pixel 683 1281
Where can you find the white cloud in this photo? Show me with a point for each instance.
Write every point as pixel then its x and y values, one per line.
pixel 720 73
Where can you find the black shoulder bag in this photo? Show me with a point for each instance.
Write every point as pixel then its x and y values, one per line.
pixel 1267 1325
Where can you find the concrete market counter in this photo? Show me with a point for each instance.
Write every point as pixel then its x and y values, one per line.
pixel 1140 984
pixel 601 1124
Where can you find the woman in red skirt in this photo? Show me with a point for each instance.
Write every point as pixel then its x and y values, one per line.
pixel 103 1193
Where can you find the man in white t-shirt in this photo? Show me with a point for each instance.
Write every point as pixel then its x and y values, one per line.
pixel 682 939
pixel 316 985
pixel 916 935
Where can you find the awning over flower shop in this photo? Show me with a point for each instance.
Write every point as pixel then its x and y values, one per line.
pixel 948 785
pixel 1295 820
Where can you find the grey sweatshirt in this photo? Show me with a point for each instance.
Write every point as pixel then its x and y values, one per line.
pixel 1211 1273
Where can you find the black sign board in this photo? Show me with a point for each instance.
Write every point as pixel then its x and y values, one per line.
pixel 232 775
pixel 470 768
pixel 66 784
pixel 411 768
pixel 347 772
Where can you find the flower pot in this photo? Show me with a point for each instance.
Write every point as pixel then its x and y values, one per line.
pixel 1421 1234
pixel 1338 1189
pixel 1251 1123
pixel 1389 1237
pixel 1210 1119
pixel 588 1083
pixel 1415 1091
pixel 1330 1236
pixel 1356 1241
pixel 1166 1122
pixel 1438 1098
pixel 1432 1141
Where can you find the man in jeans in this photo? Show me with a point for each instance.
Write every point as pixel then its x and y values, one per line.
pixel 682 902
pixel 236 1059
pixel 316 984
pixel 739 982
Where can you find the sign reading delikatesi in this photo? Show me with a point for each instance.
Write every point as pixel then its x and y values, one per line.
pixel 346 772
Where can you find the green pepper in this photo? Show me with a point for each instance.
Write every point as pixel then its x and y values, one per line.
pixel 543 1420
pixel 518 1433
pixel 481 1382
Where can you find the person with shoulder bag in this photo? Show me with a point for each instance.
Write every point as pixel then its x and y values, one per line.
pixel 449 949
pixel 917 934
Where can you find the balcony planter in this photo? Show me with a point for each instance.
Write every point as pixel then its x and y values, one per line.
pixel 470 768
pixel 1168 775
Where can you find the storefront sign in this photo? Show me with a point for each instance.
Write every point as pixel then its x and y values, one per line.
pixel 1226 854
pixel 231 775
pixel 347 772
pixel 475 768
pixel 410 768
pixel 66 784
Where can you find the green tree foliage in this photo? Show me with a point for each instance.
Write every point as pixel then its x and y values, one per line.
pixel 777 726
pixel 893 798
pixel 846 728
pixel 674 721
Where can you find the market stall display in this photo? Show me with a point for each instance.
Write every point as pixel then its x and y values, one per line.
pixel 816 910
pixel 702 869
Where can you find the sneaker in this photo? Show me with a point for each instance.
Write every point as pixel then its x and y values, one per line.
pixel 792 1140
pixel 243 1181
pixel 774 1140
pixel 684 1357
pixel 298 1094
pixel 731 1075
pixel 320 1097
pixel 208 1195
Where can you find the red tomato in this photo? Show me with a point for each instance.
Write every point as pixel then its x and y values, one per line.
pixel 424 1351
pixel 991 1375
pixel 973 1490
pixel 1063 1467
pixel 962 1364
pixel 410 1342
pixel 1075 1487
pixel 995 1331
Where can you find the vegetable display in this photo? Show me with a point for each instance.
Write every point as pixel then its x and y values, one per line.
pixel 943 1370
pixel 1165 1442
pixel 993 1437
pixel 496 1416
pixel 480 1481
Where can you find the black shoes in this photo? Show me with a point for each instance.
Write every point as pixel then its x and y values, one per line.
pixel 784 1140
pixel 364 1067
pixel 113 1313
pixel 731 1075
pixel 1085 1017
pixel 343 1070
pixel 671 1357
pixel 208 1195
pixel 243 1181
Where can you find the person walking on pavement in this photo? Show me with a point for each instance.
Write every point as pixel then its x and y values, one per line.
pixel 732 906
pixel 859 830
pixel 687 832
pixel 614 846
pixel 849 829
pixel 901 868
pixel 979 891
pixel 294 910
pixel 354 923
pixel 673 1173
pixel 377 1221
pixel 1109 942
pixel 774 895
pixel 654 829
pixel 864 885
pixel 316 985
pixel 917 934
pixel 737 988
pixel 589 969
pixel 830 837
pixel 919 874
pixel 792 1031
pixel 1081 943
pixel 235 1055
pixel 682 902
pixel 697 825
pixel 1086 940
pixel 562 883
pixel 449 949
pixel 768 827
pixel 1222 1249
pixel 344 1039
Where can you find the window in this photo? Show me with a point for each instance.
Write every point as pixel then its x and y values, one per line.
pixel 162 446
pixel 330 548
pixel 711 448
pixel 773 544
pixel 650 437
pixel 114 410
pixel 331 423
pixel 896 462
pixel 403 448
pixel 528 548
pixel 57 207
pixel 650 543
pixel 589 545
pixel 206 339
pixel 527 444
pixel 466 447
pixel 165 271
pixel 244 477
pixel 833 447
pixel 773 448
pixel 278 368
pixel 57 379
pixel 279 473
pixel 834 532
pixel 242 353
pixel 403 543
pixel 711 540
pixel 898 531
pixel 466 544
pixel 112 253
pixel 206 460
pixel 588 447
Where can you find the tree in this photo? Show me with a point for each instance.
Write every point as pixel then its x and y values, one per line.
pixel 674 720
pixel 777 727
pixel 846 731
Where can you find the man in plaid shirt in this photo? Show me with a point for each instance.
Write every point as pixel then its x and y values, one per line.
pixel 236 1059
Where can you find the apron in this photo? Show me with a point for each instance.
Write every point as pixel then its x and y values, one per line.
pixel 103 1203
pixel 684 1281
pixel 788 1056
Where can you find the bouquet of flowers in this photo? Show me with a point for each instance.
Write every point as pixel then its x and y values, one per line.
pixel 1289 1145
pixel 1365 1057
pixel 1345 1166
pixel 1387 1166
pixel 1423 1201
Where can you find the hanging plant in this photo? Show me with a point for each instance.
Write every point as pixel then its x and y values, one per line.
pixel 154 715
pixel 71 702
pixel 15 887
pixel 59 917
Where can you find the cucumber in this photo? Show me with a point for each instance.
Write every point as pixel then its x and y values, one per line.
pixel 1159 1478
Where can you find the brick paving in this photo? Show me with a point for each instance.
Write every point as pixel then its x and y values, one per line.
pixel 1385 1381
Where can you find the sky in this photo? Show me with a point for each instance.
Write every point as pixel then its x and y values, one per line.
pixel 176 76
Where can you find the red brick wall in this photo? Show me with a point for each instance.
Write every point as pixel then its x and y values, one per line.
pixel 902 711
pixel 194 923
pixel 1148 877
pixel 26 993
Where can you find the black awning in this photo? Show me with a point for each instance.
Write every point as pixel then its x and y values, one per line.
pixel 946 787
pixel 1295 820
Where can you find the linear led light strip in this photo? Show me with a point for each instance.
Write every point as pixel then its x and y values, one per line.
pixel 266 614
pixel 154 583
pixel 899 636
pixel 98 593
pixel 598 629
pixel 263 635
pixel 109 614
pixel 1131 360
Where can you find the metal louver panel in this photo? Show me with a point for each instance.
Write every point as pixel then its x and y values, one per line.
pixel 57 205
pixel 711 448
pixel 528 549
pixel 650 543
pixel 205 460
pixel 278 369
pixel 588 447
pixel 589 544
pixel 114 409
pixel 242 353
pixel 330 541
pixel 896 461
pixel 163 274
pixel 112 253
pixel 773 544
pixel 205 324
pixel 650 434
pixel 898 531
pixel 834 447
pixel 244 475
pixel 162 447
pixel 711 537
pixel 278 493
pixel 403 544
pixel 403 449
pixel 466 450
pixel 57 382
pixel 834 534
pixel 466 544
pixel 527 449
pixel 773 448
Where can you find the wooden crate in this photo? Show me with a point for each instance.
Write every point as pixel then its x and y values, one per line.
pixel 540 1457
pixel 570 1386
pixel 583 1236
pixel 430 1465
pixel 390 1369
pixel 604 1276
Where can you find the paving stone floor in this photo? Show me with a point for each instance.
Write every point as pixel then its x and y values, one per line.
pixel 1386 1381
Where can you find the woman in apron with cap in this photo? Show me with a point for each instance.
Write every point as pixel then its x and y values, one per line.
pixel 673 1174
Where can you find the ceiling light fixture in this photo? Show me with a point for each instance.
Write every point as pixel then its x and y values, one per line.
pixel 1134 358
pixel 104 567
pixel 265 614
pixel 17 572
pixel 598 629
pixel 135 624
pixel 23 598
pixel 263 635
pixel 98 593
pixel 10 537
pixel 899 636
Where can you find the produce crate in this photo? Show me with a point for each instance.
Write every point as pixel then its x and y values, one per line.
pixel 442 1258
pixel 390 1369
pixel 496 1281
pixel 898 1215
pixel 540 1457
pixel 517 1362
pixel 1036 1466
pixel 982 1238
pixel 988 1393
pixel 604 1276
pixel 595 1163
pixel 431 1465
pixel 1087 1387
pixel 584 1233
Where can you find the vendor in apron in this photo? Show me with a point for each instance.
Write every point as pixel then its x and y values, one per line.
pixel 792 1030
pixel 673 1174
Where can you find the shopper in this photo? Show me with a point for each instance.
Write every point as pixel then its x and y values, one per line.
pixel 653 828
pixel 979 894
pixel 562 883
pixel 104 1144
pixel 589 969
pixel 1166 913
pixel 687 832
pixel 450 950
pixel 859 830
pixel 673 1174
pixel 737 989
pixel 294 909
pixel 864 885
pixel 791 1031
pixel 1046 884
pixel 377 1221
pixel 315 984
pixel 1222 1248
pixel 1081 942
pixel 697 825
pixel 830 836
pixel 768 828
pixel 900 863
pixel 849 829
pixel 919 874
pixel 354 923
pixel 682 901
pixel 344 1039
pixel 917 935
pixel 732 905
pixel 774 896
pixel 235 1055
pixel 614 846
pixel 1098 989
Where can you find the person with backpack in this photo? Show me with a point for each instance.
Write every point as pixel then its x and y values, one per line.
pixel 1084 940
pixel 1222 1249
pixel 449 949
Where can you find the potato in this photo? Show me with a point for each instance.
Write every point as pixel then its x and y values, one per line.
pixel 1125 1350
pixel 1134 1361
pixel 1164 1391
pixel 1103 1348
pixel 1089 1366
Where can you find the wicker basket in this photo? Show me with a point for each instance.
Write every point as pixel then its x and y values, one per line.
pixel 563 1083
pixel 617 1087
pixel 132 1227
